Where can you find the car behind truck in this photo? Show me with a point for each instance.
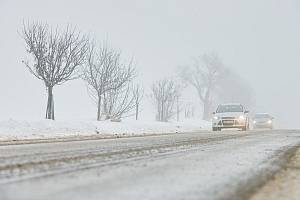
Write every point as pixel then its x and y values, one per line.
pixel 263 120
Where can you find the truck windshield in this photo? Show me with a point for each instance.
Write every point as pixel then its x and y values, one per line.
pixel 230 108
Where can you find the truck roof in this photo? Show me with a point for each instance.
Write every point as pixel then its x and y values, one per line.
pixel 227 104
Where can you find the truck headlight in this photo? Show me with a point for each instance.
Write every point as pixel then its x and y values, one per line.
pixel 242 117
pixel 270 122
pixel 216 117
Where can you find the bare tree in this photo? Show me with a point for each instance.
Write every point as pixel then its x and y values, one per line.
pixel 177 109
pixel 119 103
pixel 179 104
pixel 232 88
pixel 138 96
pixel 108 79
pixel 189 110
pixel 56 56
pixel 203 75
pixel 164 96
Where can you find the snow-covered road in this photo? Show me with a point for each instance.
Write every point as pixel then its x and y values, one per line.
pixel 225 165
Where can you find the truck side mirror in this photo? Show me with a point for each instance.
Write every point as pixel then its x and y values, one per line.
pixel 246 111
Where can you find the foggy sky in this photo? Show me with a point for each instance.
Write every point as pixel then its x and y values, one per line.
pixel 259 39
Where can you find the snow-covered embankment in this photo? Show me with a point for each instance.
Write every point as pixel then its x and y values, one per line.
pixel 17 130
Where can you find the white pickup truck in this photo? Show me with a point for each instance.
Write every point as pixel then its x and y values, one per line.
pixel 230 116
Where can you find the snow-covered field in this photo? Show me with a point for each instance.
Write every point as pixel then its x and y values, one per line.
pixel 15 129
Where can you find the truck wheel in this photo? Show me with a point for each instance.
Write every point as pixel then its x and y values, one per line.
pixel 215 128
pixel 244 128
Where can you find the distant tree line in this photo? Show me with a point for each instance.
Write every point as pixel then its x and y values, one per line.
pixel 213 82
pixel 61 55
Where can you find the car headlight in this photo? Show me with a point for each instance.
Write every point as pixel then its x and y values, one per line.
pixel 242 117
pixel 216 117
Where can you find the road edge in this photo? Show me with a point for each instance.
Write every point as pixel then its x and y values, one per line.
pixel 89 137
pixel 249 187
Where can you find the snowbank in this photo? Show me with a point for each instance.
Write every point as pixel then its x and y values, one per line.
pixel 13 129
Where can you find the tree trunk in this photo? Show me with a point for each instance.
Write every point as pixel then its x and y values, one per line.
pixel 206 110
pixel 106 109
pixel 50 104
pixel 137 112
pixel 207 104
pixel 177 109
pixel 99 108
pixel 162 117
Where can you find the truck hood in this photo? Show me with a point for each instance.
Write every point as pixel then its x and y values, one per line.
pixel 229 114
pixel 260 120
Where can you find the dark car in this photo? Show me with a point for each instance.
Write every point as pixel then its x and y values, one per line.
pixel 263 120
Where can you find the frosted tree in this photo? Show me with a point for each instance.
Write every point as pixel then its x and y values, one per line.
pixel 232 88
pixel 108 80
pixel 56 56
pixel 138 93
pixel 164 95
pixel 204 75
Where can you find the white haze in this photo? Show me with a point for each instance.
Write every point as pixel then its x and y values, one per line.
pixel 259 39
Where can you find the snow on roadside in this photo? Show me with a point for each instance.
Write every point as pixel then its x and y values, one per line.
pixel 16 130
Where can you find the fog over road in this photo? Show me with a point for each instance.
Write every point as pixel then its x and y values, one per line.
pixel 205 165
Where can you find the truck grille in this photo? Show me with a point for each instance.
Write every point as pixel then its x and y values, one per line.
pixel 232 118
pixel 228 122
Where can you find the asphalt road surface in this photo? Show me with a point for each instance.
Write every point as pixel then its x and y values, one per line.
pixel 204 165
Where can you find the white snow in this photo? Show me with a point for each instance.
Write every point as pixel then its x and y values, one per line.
pixel 16 129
